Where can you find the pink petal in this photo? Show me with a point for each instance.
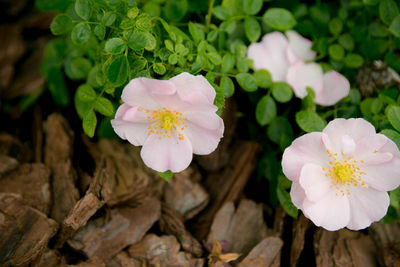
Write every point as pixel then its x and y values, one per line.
pixel 204 141
pixel 383 177
pixel 308 148
pixel 297 195
pixel 300 76
pixel 335 87
pixel 166 154
pixel 207 119
pixel 367 146
pixel 314 182
pixel 331 212
pixel 132 114
pixel 135 133
pixel 348 145
pixel 300 47
pixel 270 54
pixel 366 206
pixel 194 89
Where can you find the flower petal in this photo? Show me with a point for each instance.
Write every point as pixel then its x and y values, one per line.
pixel 297 195
pixel 204 141
pixel 271 55
pixel 135 133
pixel 331 212
pixel 204 118
pixel 300 46
pixel 335 87
pixel 162 154
pixel 300 76
pixel 314 182
pixel 348 145
pixel 383 177
pixel 308 148
pixel 367 205
pixel 194 89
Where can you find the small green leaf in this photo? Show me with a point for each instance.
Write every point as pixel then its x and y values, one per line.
pixel 117 72
pixel 82 8
pixel 393 114
pixel 280 132
pixel 144 23
pixel 395 198
pixel 227 86
pixel 104 106
pixel 377 29
pixel 137 41
pixel 246 81
pixel 100 32
pixel 61 24
pixel 286 202
pixel 115 46
pixel 215 58
pixel 77 68
pixel 282 92
pixel 151 42
pixel 173 59
pixel 336 52
pixel 175 10
pixel 167 175
pixel 80 33
pixel 335 26
pixel 197 32
pixel 221 12
pixel 252 29
pixel 392 135
pixel 265 110
pixel 89 123
pixel 252 7
pixel 388 10
pixel 212 36
pixel 58 87
pixel 309 121
pixel 346 41
pixel 395 26
pixel 279 19
pixel 169 45
pixel 159 68
pixel 370 2
pixel 133 12
pixel 263 78
pixel 228 62
pixel 86 93
pixel 109 18
pixel 353 61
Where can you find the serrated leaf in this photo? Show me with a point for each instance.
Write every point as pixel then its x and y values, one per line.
pixel 104 106
pixel 309 121
pixel 246 81
pixel 89 123
pixel 279 19
pixel 265 110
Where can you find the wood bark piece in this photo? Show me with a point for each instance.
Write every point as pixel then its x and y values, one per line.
pixel 58 156
pixel 300 227
pixel 387 239
pixel 49 258
pixel 227 185
pixel 171 222
pixel 32 181
pixel 184 195
pixel 24 231
pixel 344 248
pixel 7 164
pixel 123 259
pixel 242 228
pixel 12 146
pixel 37 134
pixel 162 251
pixel 264 253
pixel 104 238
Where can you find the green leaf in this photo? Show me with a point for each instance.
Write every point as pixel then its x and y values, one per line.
pixel 336 52
pixel 286 202
pixel 144 23
pixel 265 110
pixel 353 61
pixel 137 41
pixel 133 12
pixel 167 175
pixel 89 123
pixel 279 19
pixel 252 29
pixel 377 29
pixel 246 81
pixel 197 32
pixel 221 12
pixel 346 41
pixel 395 198
pixel 169 45
pixel 82 8
pixel 104 106
pixel 61 24
pixel 109 18
pixel 212 36
pixel 335 26
pixel 175 10
pixel 80 33
pixel 392 135
pixel 227 86
pixel 100 32
pixel 77 68
pixel 115 46
pixel 52 5
pixel 228 62
pixel 393 114
pixel 280 132
pixel 395 26
pixel 263 78
pixel 173 59
pixel 282 92
pixel 370 2
pixel 159 68
pixel 228 26
pixel 388 10
pixel 215 58
pixel 355 96
pixel 86 93
pixel 309 121
pixel 58 87
pixel 117 72
pixel 391 216
pixel 319 14
pixel 252 7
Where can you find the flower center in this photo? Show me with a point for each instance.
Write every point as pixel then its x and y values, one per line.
pixel 165 122
pixel 344 172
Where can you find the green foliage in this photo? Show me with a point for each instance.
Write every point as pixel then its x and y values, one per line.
pixel 310 121
pixel 279 19
pixel 265 110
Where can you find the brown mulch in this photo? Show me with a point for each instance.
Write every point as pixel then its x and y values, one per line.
pixel 66 200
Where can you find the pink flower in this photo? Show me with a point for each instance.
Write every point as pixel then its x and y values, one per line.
pixel 340 175
pixel 285 58
pixel 171 119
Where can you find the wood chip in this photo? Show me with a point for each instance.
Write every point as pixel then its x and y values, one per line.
pixel 104 238
pixel 49 258
pixel 122 259
pixel 242 228
pixel 171 222
pixel 226 186
pixel 24 231
pixel 264 253
pixel 387 239
pixel 12 146
pixel 32 181
pixel 7 164
pixel 58 156
pixel 300 227
pixel 184 195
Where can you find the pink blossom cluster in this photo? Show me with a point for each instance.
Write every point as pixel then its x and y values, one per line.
pixel 286 57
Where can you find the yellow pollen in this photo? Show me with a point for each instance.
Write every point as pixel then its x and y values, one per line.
pixel 344 172
pixel 164 122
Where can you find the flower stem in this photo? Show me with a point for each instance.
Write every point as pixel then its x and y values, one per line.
pixel 208 17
